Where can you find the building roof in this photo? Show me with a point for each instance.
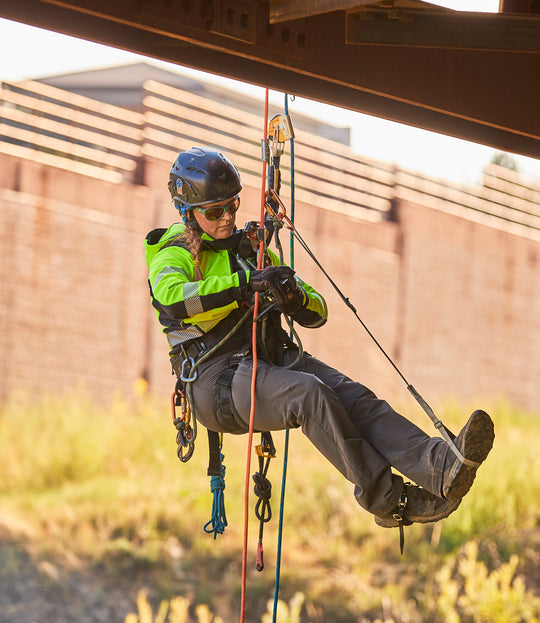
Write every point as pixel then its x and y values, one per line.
pixel 122 85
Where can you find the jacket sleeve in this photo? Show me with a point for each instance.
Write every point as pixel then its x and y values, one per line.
pixel 314 312
pixel 181 296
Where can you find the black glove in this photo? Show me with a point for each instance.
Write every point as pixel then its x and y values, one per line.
pixel 294 303
pixel 280 281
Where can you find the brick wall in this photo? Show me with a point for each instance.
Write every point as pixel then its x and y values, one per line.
pixel 72 280
pixel 471 311
pixel 454 301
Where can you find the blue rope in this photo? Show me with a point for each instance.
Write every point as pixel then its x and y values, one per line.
pixel 217 486
pixel 286 446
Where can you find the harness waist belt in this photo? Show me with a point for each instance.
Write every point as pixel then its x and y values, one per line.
pixel 195 347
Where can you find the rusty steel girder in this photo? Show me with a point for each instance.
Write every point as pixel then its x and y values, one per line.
pixel 472 76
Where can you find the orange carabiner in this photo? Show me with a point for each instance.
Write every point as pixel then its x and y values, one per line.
pixel 281 214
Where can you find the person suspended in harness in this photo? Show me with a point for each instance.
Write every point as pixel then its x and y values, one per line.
pixel 202 281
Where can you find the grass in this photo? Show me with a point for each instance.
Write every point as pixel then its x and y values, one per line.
pixel 99 515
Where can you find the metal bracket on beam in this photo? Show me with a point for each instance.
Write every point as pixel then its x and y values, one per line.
pixel 285 10
pixel 235 18
pixel 449 29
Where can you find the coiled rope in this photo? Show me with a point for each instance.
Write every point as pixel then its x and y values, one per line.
pixel 218 522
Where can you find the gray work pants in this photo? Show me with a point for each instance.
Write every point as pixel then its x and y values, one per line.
pixel 362 436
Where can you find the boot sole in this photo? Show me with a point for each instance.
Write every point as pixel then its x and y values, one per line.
pixel 445 510
pixel 477 443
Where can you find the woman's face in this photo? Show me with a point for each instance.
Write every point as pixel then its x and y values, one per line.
pixel 220 228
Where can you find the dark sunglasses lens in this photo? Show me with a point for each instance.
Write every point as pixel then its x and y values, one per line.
pixel 214 214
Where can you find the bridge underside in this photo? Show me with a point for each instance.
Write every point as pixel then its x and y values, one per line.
pixel 469 75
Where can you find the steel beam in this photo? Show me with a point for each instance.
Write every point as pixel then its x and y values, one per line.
pixel 491 97
pixel 285 10
pixel 431 29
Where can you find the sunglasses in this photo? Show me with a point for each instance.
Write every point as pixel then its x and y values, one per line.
pixel 217 212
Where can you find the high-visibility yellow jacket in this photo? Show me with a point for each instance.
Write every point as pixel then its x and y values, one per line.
pixel 189 308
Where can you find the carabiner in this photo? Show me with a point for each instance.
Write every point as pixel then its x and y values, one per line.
pixel 189 363
pixel 185 455
pixel 281 214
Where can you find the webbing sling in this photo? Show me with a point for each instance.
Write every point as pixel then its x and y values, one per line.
pixel 224 408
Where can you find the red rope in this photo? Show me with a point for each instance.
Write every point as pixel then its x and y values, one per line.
pixel 253 381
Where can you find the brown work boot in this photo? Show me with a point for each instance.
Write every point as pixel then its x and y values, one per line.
pixel 474 442
pixel 417 506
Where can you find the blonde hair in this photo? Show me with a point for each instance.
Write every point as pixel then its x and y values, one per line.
pixel 192 237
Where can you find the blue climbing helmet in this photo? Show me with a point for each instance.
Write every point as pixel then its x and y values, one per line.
pixel 200 176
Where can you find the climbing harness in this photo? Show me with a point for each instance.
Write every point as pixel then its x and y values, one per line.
pixel 224 408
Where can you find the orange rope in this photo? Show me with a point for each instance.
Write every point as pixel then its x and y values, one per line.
pixel 253 381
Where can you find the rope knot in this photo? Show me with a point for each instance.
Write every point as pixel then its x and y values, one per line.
pixel 217 483
pixel 263 487
pixel 263 490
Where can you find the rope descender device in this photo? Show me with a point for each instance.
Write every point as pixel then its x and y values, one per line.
pixel 185 437
pixel 280 130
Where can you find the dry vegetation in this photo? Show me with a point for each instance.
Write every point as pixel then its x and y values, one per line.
pixel 100 523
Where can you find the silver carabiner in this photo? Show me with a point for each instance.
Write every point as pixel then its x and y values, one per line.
pixel 183 373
